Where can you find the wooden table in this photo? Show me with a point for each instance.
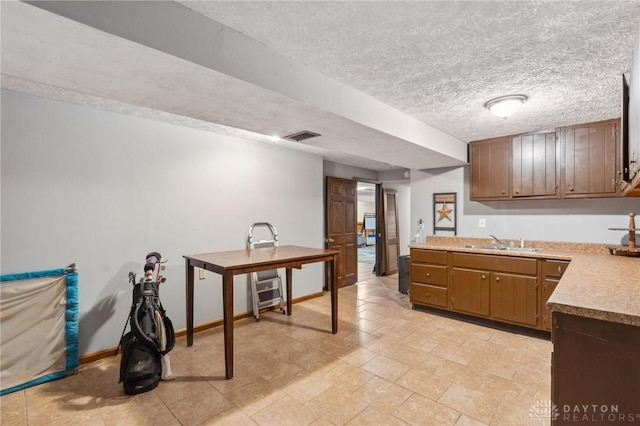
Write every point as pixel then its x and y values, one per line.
pixel 230 263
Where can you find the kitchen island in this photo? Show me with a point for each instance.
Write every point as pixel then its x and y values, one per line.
pixel 595 322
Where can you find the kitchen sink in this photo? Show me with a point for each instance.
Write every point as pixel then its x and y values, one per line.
pixel 505 248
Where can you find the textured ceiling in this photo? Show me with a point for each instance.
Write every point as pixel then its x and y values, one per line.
pixel 440 61
pixel 437 62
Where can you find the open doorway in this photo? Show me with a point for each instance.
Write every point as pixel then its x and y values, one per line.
pixel 366 227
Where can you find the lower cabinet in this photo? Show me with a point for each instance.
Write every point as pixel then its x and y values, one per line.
pixel 510 289
pixel 470 291
pixel 514 298
pixel 594 370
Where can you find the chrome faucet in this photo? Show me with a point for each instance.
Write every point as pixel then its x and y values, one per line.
pixel 496 238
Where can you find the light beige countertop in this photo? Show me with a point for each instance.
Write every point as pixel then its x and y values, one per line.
pixel 595 285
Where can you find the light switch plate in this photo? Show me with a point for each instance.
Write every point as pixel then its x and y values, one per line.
pixel 482 223
pixel 203 274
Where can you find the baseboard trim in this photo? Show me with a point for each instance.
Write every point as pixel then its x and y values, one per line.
pixel 106 353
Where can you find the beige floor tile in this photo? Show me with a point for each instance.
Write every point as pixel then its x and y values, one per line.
pixel 200 407
pixel 306 385
pixel 356 356
pixel 232 417
pixel 371 416
pixel 454 352
pixel 424 383
pixel 13 409
pixel 383 394
pixel 254 396
pixel 347 377
pixel 389 364
pixel 142 409
pixel 471 402
pixel 286 412
pixel 418 410
pixel 336 405
pixel 465 420
pixel 386 368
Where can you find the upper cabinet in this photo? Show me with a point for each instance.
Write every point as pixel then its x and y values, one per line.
pixel 592 158
pixel 534 165
pixel 573 162
pixel 490 169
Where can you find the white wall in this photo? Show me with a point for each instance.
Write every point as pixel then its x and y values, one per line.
pixel 584 220
pixel 102 190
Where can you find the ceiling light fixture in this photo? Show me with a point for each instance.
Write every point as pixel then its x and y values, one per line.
pixel 504 106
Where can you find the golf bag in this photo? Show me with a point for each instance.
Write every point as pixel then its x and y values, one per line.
pixel 145 348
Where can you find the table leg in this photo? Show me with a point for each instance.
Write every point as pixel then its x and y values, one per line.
pixel 333 266
pixel 189 284
pixel 289 295
pixel 227 300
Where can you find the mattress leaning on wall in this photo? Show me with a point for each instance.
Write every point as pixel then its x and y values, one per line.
pixel 38 327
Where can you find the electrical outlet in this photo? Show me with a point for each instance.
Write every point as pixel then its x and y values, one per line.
pixel 203 274
pixel 482 223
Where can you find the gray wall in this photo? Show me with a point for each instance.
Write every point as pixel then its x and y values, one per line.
pixel 102 190
pixel 585 220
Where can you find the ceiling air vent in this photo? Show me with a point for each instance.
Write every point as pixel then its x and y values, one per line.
pixel 300 136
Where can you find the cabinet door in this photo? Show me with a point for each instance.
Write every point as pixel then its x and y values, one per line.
pixel 548 285
pixel 514 298
pixel 591 157
pixel 470 291
pixel 490 169
pixel 534 165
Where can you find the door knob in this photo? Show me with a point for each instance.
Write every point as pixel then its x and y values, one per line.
pixel 328 240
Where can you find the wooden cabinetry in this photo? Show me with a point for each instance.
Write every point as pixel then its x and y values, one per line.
pixel 470 291
pixel 579 161
pixel 534 165
pixel 595 374
pixel 514 298
pixel 552 271
pixel 490 169
pixel 501 287
pixel 592 158
pixel 428 277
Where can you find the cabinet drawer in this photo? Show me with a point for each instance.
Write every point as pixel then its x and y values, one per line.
pixel 429 295
pixel 516 265
pixel 429 274
pixel 554 268
pixel 429 256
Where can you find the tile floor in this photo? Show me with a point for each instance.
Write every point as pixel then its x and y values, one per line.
pixel 388 365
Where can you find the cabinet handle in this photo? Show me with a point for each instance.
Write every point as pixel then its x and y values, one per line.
pixel 428 274
pixel 517 191
pixel 497 278
pixel 560 269
pixel 504 192
pixel 484 276
pixel 428 294
pixel 571 188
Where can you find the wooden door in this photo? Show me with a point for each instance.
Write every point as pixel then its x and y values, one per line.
pixel 490 168
pixel 514 298
pixel 591 159
pixel 341 227
pixel 391 240
pixel 534 165
pixel 470 291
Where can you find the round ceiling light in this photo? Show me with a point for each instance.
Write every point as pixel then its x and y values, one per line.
pixel 504 106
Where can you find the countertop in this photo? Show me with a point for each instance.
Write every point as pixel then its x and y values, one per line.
pixel 596 284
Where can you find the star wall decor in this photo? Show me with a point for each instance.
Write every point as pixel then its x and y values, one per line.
pixel 444 213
